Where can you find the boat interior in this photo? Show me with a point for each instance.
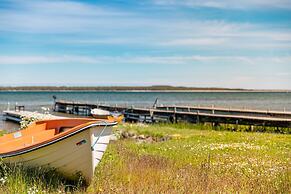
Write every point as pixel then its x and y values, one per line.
pixel 40 131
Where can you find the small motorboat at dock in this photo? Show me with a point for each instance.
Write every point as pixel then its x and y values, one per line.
pixel 104 114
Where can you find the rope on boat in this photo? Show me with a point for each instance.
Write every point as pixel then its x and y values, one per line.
pixel 92 147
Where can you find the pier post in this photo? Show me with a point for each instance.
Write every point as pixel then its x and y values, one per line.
pixel 197 117
pixel 236 125
pixel 175 115
pixel 152 115
pixel 55 102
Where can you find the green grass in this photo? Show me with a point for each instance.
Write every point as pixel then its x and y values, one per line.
pixel 195 159
pixel 160 129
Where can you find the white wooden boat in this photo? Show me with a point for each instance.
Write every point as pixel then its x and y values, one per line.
pixel 71 146
pixel 104 114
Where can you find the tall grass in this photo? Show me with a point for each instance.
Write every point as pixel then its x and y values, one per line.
pixel 17 178
pixel 195 159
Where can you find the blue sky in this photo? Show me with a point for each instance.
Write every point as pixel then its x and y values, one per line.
pixel 199 43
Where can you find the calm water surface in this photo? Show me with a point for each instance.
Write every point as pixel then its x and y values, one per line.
pixel 256 100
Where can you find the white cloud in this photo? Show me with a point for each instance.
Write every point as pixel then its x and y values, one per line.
pixel 228 4
pixel 194 42
pixel 115 27
pixel 77 27
pixel 280 74
pixel 69 8
pixel 147 60
pixel 222 35
pixel 19 60
pixel 57 17
pixel 102 40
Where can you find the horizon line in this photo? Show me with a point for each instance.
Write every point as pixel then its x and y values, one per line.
pixel 129 88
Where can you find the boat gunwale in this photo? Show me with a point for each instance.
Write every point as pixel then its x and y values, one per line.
pixel 75 130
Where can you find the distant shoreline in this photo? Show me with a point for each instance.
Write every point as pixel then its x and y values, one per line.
pixel 131 89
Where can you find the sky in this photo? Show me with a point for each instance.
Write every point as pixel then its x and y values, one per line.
pixel 197 43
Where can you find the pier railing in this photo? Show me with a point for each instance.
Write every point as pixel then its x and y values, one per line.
pixel 194 114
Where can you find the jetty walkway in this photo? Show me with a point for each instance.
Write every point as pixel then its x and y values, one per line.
pixel 193 114
pixel 17 115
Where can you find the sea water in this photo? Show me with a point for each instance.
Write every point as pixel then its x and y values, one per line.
pixel 34 100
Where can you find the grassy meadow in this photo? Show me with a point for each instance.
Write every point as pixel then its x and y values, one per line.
pixel 173 158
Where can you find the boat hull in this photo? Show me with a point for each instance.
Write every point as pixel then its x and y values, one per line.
pixel 77 154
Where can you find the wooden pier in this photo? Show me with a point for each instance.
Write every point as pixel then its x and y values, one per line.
pixel 16 116
pixel 193 114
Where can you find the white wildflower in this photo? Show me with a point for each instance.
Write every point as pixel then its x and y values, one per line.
pixel 237 146
pixel 3 180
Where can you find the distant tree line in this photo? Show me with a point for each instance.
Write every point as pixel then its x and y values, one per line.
pixel 111 88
